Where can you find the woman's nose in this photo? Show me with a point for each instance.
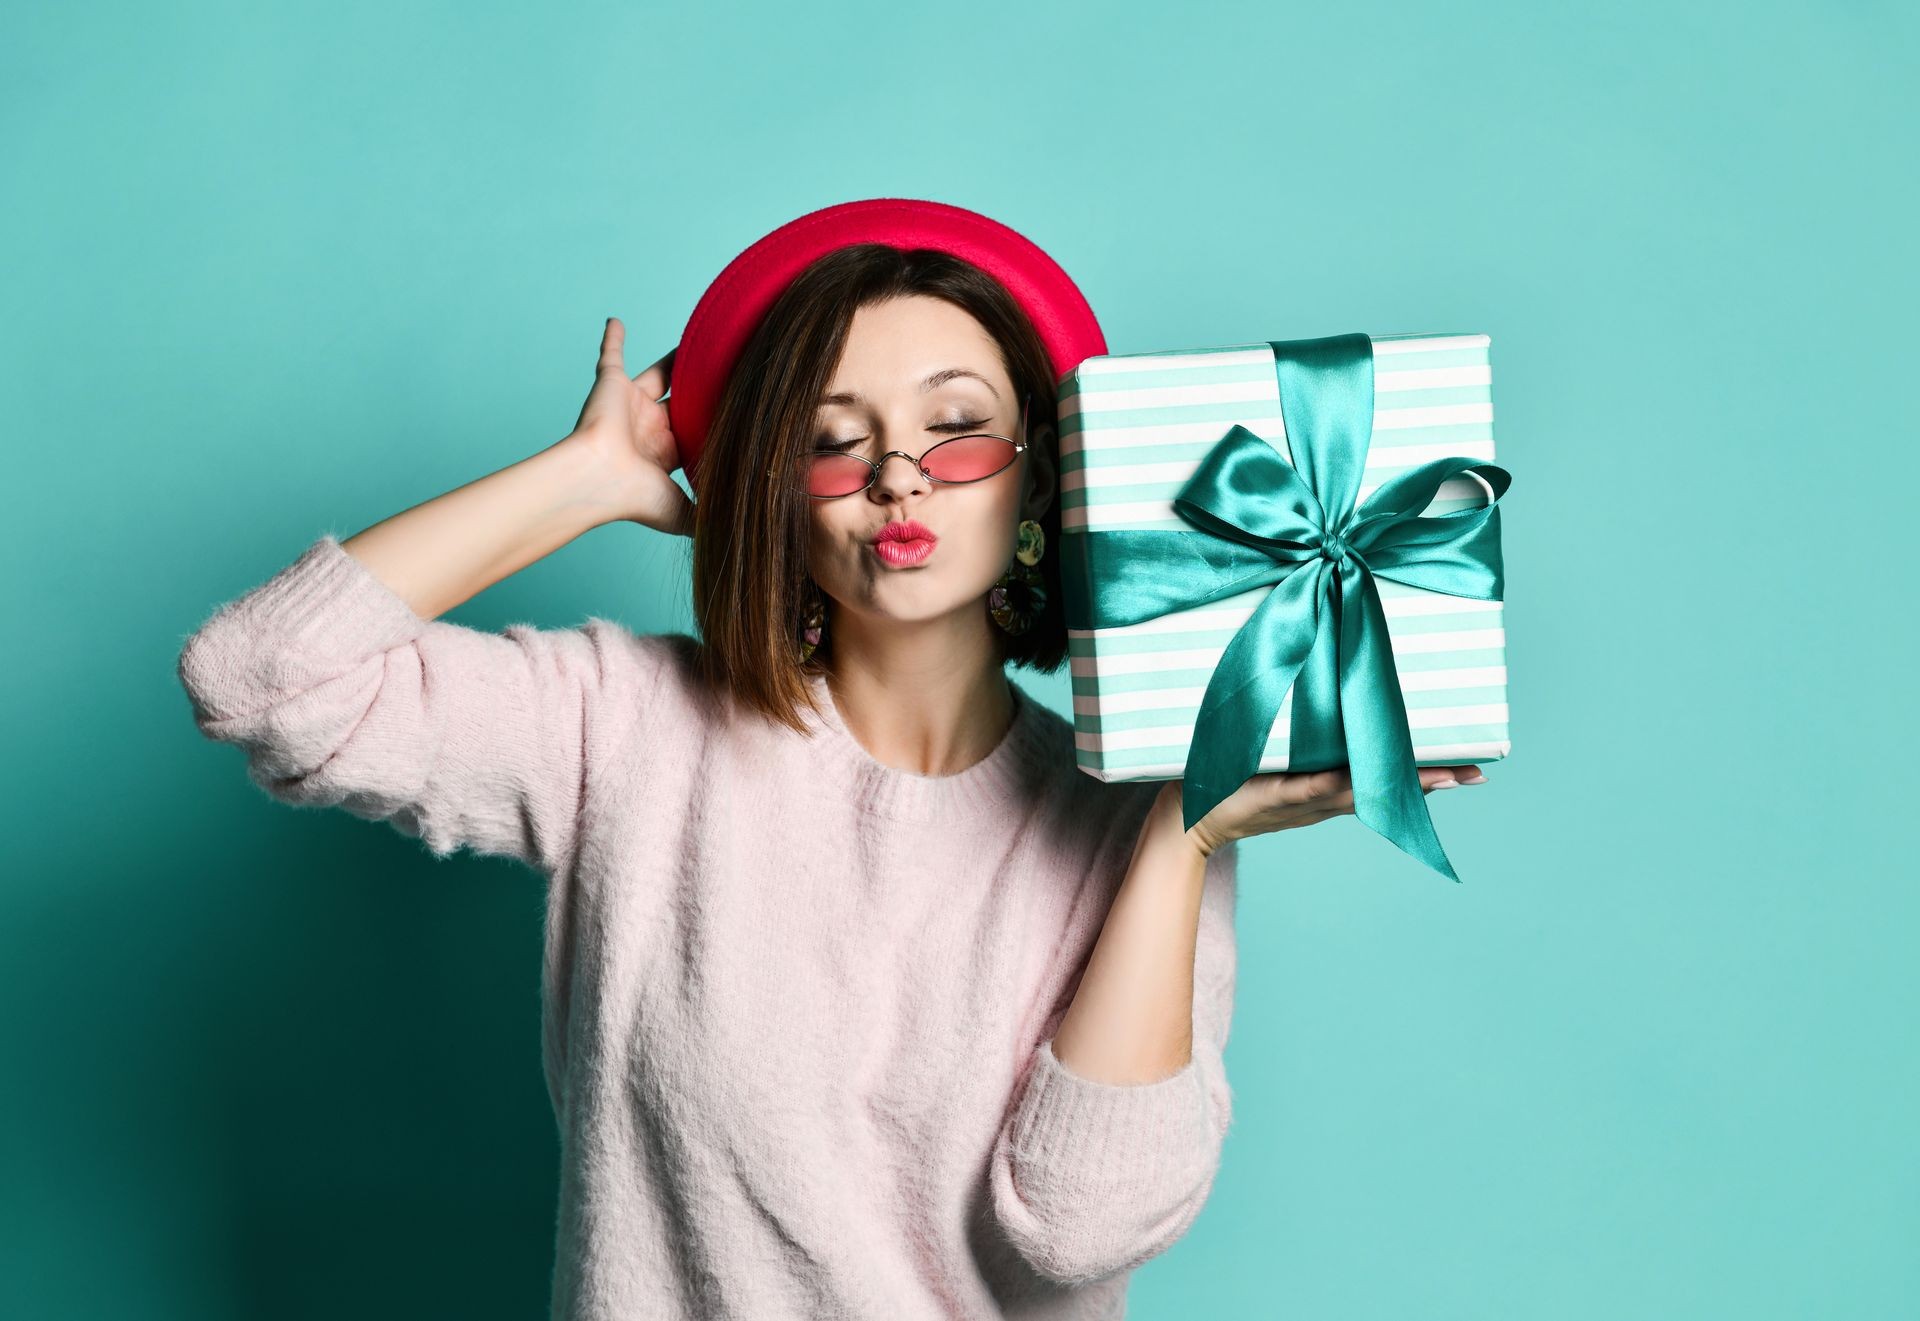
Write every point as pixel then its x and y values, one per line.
pixel 898 478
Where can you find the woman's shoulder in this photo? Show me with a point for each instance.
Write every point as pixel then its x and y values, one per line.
pixel 655 675
pixel 652 652
pixel 649 657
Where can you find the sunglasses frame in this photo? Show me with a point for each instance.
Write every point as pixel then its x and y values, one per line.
pixel 874 465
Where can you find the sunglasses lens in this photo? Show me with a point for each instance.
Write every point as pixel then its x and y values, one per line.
pixel 968 458
pixel 836 474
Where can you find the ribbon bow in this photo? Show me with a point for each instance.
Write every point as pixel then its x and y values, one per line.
pixel 1322 630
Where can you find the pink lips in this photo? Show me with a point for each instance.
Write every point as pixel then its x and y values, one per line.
pixel 905 543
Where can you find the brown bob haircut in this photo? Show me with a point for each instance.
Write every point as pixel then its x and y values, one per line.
pixel 750 592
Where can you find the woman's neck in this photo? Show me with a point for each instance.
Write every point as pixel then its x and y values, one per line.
pixel 938 719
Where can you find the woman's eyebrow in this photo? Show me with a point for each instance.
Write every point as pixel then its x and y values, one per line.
pixel 934 381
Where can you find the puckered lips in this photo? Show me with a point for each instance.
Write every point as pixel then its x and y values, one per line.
pixel 904 544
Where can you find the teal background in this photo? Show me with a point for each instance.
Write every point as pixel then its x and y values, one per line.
pixel 280 269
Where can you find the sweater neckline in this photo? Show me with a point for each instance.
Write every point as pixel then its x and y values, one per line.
pixel 1016 766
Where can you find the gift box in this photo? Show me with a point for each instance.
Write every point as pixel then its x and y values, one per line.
pixel 1285 556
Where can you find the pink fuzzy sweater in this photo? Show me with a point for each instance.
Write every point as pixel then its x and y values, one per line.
pixel 798 1005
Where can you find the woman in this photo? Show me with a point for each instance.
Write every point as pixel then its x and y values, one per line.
pixel 861 999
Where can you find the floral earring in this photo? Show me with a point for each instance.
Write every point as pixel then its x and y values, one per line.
pixel 1021 594
pixel 813 627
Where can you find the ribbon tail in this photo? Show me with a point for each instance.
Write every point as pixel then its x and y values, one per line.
pixel 1386 779
pixel 1243 697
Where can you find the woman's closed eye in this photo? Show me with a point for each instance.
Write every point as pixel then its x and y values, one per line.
pixel 966 426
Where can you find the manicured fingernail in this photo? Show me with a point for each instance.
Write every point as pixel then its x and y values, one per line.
pixel 1444 784
pixel 1475 778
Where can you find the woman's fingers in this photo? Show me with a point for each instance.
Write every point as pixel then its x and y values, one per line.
pixel 653 381
pixel 1450 777
pixel 1332 790
pixel 613 342
pixel 1316 787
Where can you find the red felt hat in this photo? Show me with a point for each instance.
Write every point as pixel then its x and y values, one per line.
pixel 733 304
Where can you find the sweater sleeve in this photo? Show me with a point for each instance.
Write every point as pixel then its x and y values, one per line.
pixel 341 695
pixel 1090 1178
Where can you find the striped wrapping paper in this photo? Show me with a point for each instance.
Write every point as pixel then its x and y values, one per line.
pixel 1132 429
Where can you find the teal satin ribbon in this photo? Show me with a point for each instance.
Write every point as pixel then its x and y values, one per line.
pixel 1321 631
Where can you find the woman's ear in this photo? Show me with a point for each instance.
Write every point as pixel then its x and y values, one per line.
pixel 1043 483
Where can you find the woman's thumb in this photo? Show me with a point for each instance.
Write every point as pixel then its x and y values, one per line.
pixel 654 380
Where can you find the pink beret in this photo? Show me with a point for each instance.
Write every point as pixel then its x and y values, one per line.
pixel 733 304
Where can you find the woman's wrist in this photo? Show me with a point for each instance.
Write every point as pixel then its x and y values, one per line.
pixel 586 480
pixel 1168 817
pixel 615 487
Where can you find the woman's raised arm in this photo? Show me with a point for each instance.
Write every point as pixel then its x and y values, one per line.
pixel 335 678
pixel 615 465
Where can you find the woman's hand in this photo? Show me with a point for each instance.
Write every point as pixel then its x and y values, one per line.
pixel 623 425
pixel 1283 800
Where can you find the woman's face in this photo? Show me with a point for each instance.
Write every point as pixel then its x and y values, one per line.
pixel 917 371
